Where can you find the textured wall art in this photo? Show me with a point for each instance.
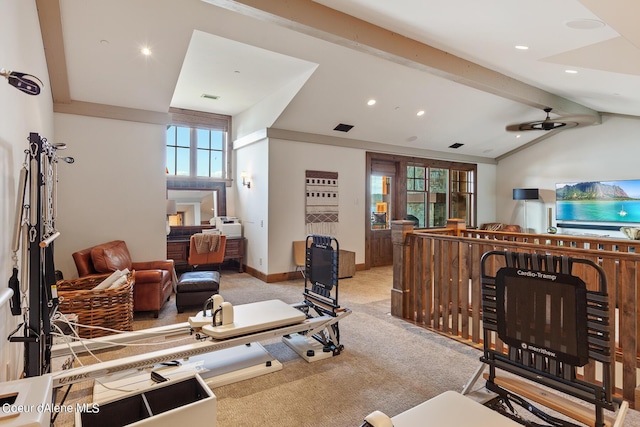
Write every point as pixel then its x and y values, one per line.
pixel 321 213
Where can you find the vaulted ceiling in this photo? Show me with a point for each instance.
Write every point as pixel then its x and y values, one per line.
pixel 306 66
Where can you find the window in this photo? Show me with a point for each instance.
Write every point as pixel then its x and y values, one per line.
pixel 436 193
pixel 198 145
pixel 195 152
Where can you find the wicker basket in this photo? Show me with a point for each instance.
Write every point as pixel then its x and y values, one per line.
pixel 108 308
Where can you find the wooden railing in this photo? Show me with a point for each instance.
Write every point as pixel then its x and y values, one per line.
pixel 436 283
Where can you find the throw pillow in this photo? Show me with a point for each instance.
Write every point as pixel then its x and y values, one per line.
pixel 631 232
pixel 110 257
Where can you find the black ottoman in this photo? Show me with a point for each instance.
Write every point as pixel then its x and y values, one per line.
pixel 195 287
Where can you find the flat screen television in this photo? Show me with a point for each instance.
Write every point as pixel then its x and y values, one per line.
pixel 614 202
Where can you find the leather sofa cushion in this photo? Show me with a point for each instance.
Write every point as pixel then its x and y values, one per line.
pixel 110 257
pixel 198 281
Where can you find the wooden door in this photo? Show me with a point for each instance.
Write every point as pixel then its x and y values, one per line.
pixel 382 207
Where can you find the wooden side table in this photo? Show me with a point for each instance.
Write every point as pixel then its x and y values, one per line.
pixel 178 251
pixel 346 264
pixel 235 251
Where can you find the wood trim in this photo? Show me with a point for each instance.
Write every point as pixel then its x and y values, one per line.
pixel 260 275
pixel 105 111
pixel 51 30
pixel 374 147
pixel 200 119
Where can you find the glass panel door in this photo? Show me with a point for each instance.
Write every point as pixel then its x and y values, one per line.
pixel 380 202
pixel 438 195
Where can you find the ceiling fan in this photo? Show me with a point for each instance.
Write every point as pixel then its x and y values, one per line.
pixel 546 124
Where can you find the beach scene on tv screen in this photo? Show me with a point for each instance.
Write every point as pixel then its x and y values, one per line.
pixel 599 201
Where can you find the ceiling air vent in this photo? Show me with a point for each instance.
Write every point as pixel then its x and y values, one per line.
pixel 456 145
pixel 207 96
pixel 343 128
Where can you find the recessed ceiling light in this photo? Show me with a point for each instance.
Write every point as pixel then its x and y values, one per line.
pixel 207 96
pixel 456 145
pixel 104 41
pixel 584 24
pixel 571 71
pixel 371 102
pixel 145 51
pixel 420 113
pixel 522 47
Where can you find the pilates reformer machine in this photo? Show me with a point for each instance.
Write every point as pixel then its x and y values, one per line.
pixel 548 338
pixel 309 327
pixel 226 347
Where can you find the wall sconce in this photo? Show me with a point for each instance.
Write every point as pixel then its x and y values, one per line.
pixel 245 180
pixel 172 209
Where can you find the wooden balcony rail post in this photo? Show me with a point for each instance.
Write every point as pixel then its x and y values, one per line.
pixel 399 293
pixel 457 224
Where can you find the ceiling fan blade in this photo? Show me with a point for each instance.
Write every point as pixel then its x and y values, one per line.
pixel 518 127
pixel 548 123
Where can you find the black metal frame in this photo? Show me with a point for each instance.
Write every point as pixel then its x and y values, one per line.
pixel 36 334
pixel 541 367
pixel 321 295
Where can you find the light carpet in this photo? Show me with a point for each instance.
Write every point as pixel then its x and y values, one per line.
pixel 387 364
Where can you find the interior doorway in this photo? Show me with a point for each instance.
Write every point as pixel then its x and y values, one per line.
pixel 382 207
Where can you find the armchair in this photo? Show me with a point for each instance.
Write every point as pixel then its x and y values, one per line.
pixel 153 280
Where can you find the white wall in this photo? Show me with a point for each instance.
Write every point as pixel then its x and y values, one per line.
pixel 486 193
pixel 20 50
pixel 288 162
pixel 273 209
pixel 604 152
pixel 115 190
pixel 252 204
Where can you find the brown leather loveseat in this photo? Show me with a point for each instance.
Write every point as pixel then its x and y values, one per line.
pixel 153 280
